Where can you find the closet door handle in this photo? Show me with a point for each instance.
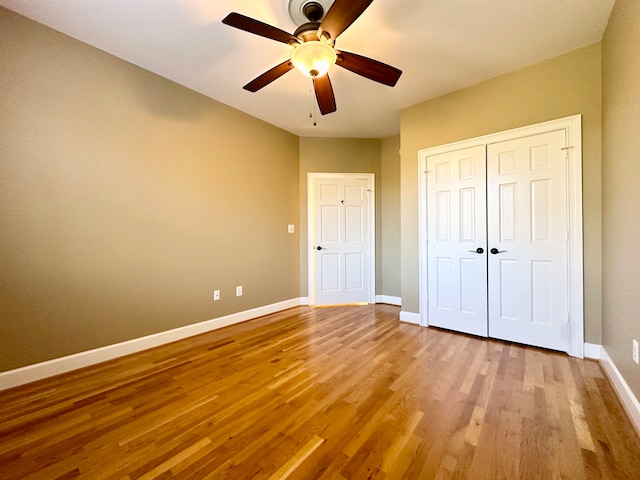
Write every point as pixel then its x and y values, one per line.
pixel 478 250
pixel 495 250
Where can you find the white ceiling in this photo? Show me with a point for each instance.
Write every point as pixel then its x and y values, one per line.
pixel 441 46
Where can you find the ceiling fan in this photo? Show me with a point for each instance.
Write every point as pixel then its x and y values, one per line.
pixel 314 51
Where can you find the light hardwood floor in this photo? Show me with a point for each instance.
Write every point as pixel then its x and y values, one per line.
pixel 330 393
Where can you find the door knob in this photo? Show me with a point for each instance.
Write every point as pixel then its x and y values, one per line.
pixel 495 250
pixel 478 250
pixel 320 248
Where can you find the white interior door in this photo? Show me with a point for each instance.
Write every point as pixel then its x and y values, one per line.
pixel 457 244
pixel 342 247
pixel 528 241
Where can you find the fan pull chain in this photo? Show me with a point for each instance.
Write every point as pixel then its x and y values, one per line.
pixel 312 104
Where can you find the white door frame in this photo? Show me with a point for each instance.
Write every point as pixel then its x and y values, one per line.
pixel 573 137
pixel 311 222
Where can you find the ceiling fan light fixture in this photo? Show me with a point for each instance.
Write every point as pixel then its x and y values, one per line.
pixel 314 58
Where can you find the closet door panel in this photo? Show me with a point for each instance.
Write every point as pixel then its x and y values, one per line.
pixel 527 224
pixel 457 246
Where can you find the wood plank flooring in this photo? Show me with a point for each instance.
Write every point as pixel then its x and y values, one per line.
pixel 332 393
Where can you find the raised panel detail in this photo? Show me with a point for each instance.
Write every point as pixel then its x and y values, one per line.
pixel 540 210
pixel 354 264
pixel 354 225
pixel 467 215
pixel 539 157
pixel 466 168
pixel 444 286
pixel 468 285
pixel 330 264
pixel 353 193
pixel 330 223
pixel 443 174
pixel 329 191
pixel 509 289
pixel 540 294
pixel 506 163
pixel 508 212
pixel 443 214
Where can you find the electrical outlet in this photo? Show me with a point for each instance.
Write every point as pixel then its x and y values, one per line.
pixel 216 295
pixel 239 291
pixel 635 351
pixel 291 228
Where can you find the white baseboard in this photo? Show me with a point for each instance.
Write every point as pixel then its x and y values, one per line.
pixel 410 317
pixel 388 299
pixel 38 371
pixel 592 351
pixel 626 396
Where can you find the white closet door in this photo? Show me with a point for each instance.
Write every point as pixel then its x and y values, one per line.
pixel 457 247
pixel 528 241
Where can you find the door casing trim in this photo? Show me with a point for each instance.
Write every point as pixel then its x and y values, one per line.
pixel 573 141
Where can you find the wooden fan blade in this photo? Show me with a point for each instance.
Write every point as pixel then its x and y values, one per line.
pixel 342 14
pixel 257 27
pixel 324 94
pixel 269 76
pixel 369 68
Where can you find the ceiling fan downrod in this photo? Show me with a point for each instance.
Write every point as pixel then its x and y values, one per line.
pixel 313 11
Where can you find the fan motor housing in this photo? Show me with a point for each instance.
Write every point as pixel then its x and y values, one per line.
pixel 308 31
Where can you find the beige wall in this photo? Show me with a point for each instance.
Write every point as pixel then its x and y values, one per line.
pixel 125 200
pixel 620 199
pixel 390 198
pixel 566 85
pixel 338 155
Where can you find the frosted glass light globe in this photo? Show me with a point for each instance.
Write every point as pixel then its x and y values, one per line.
pixel 314 58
